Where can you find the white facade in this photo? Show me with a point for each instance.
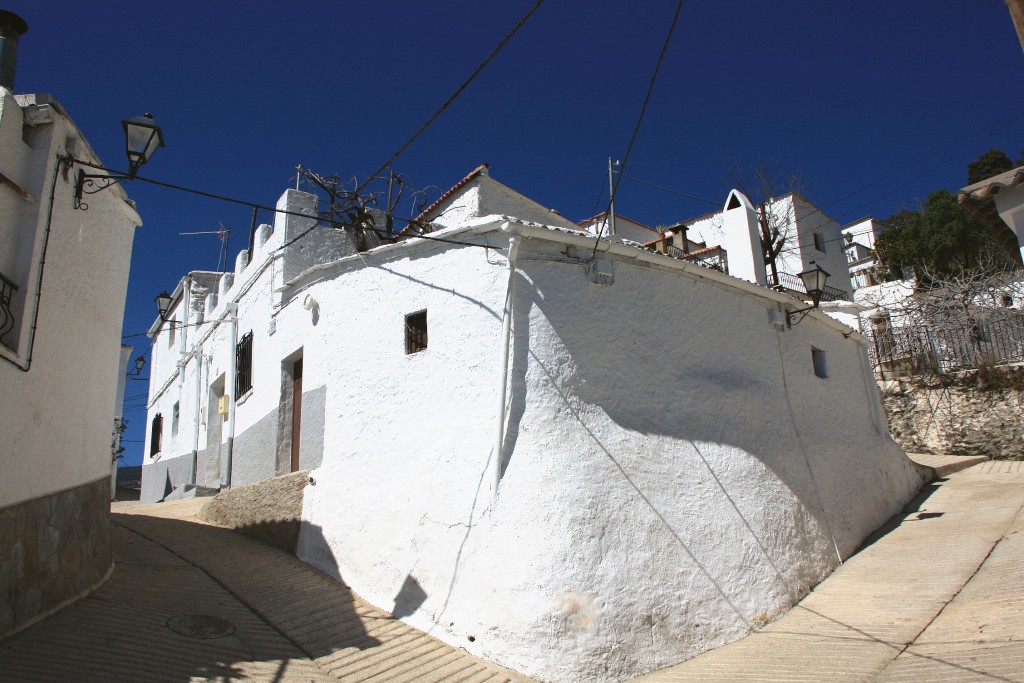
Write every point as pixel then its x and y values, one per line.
pixel 593 469
pixel 811 238
pixel 859 246
pixel 61 353
pixel 60 328
pixel 625 228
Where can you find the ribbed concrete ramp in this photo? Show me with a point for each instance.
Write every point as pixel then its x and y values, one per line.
pixel 937 597
pixel 189 601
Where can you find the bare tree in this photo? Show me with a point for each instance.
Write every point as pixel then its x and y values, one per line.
pixel 776 220
pixel 965 319
pixel 370 209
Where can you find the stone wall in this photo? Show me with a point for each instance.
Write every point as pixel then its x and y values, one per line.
pixel 974 412
pixel 268 510
pixel 52 549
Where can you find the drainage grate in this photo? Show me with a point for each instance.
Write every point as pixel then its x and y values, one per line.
pixel 200 626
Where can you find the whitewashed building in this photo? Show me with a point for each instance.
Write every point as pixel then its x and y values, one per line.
pixel 859 246
pixel 580 464
pixel 811 238
pixel 60 350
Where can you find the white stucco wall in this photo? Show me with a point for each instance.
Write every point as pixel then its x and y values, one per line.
pixel 57 415
pixel 676 473
pixel 1010 206
pixel 801 250
pixel 204 353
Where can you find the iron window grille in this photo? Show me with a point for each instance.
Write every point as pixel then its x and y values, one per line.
pixel 415 332
pixel 243 365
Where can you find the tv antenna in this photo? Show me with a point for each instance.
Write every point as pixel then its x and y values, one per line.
pixel 224 235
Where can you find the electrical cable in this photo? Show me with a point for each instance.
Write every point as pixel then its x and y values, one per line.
pixel 670 191
pixel 640 119
pixel 254 205
pixel 453 97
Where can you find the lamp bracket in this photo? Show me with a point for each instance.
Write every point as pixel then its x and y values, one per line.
pixel 97 182
pixel 802 312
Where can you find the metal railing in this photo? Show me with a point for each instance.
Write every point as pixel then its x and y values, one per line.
pixel 794 284
pixel 7 290
pixel 907 351
pixel 714 259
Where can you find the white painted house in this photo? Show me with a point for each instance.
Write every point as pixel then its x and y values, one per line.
pixel 60 350
pixel 581 465
pixel 811 238
pixel 859 246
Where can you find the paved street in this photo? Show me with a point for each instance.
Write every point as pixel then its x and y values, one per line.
pixel 939 595
pixel 288 621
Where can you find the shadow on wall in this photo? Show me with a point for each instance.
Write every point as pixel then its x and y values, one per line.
pixel 673 380
pixel 167 570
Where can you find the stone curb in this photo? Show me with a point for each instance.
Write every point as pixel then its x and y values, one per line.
pixel 932 467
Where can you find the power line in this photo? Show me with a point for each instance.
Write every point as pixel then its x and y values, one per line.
pixel 665 189
pixel 254 205
pixel 643 111
pixel 454 95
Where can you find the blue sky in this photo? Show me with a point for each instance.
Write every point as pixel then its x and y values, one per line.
pixel 845 93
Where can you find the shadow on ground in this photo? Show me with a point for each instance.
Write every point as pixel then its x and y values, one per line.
pixel 188 601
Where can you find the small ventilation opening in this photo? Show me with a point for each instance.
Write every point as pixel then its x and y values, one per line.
pixel 818 359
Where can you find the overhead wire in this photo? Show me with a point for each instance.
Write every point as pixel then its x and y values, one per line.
pixel 454 96
pixel 273 209
pixel 640 118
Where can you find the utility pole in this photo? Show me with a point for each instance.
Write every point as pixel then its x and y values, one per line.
pixel 611 195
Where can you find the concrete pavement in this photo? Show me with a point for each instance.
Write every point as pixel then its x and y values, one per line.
pixel 937 595
pixel 190 601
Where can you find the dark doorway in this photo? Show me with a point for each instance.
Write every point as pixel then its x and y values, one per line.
pixel 296 413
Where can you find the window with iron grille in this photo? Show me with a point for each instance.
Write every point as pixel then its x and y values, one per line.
pixel 155 434
pixel 415 332
pixel 243 365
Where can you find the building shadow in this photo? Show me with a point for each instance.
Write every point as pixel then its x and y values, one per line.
pixel 188 600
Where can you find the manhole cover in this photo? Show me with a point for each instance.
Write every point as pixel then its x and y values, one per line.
pixel 200 626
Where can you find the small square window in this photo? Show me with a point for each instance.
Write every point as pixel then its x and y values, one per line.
pixel 818 359
pixel 415 332
pixel 1007 300
pixel 819 242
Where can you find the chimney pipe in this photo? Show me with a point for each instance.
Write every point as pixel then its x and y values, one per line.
pixel 12 27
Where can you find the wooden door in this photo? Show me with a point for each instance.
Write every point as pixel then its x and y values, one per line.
pixel 296 412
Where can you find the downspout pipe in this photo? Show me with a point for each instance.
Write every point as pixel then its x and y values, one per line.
pixel 232 310
pixel 198 355
pixel 515 235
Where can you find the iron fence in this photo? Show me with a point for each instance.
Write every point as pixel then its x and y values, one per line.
pixel 905 351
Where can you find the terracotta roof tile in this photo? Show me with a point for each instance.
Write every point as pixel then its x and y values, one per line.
pixel 479 170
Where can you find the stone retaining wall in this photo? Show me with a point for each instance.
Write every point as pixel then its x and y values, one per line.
pixel 52 549
pixel 269 510
pixel 978 412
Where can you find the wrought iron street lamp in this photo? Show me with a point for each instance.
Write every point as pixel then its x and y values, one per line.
pixel 163 304
pixel 142 138
pixel 814 284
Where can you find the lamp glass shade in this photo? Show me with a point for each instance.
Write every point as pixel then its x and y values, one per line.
pixel 814 281
pixel 163 303
pixel 142 138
